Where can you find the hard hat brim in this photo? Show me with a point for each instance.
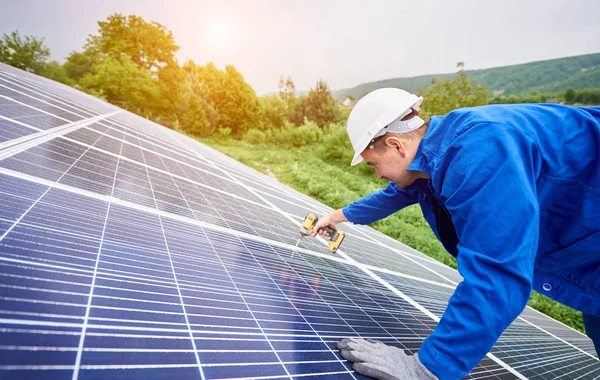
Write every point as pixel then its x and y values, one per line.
pixel 357 159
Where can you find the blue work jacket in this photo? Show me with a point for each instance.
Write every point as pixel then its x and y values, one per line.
pixel 514 195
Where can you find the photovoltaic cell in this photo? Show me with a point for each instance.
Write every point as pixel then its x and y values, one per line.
pixel 128 250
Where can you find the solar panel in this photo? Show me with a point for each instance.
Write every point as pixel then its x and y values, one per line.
pixel 128 250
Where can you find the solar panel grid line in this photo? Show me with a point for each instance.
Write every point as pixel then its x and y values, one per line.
pixel 407 257
pixel 182 302
pixel 166 172
pixel 90 296
pixel 43 86
pixel 14 147
pixel 177 283
pixel 39 103
pixel 151 210
pixel 249 309
pixel 351 301
pixel 90 113
pixel 18 106
pixel 298 311
pixel 149 137
pixel 403 296
pixel 520 318
pixel 543 317
pixel 20 123
pixel 505 347
pixel 433 316
pixel 135 162
pixel 424 280
pixel 523 320
pixel 557 338
pixel 35 108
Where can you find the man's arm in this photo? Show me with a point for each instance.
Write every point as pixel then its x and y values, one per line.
pixel 489 190
pixel 369 209
pixel 379 205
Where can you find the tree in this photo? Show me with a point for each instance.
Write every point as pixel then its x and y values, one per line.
pixel 147 51
pixel 150 45
pixel 318 106
pixel 445 96
pixel 570 96
pixel 287 91
pixel 194 112
pixel 55 71
pixel 234 100
pixel 121 82
pixel 274 112
pixel 27 53
pixel 79 64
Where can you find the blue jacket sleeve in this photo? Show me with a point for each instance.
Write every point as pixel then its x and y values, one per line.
pixel 488 184
pixel 379 204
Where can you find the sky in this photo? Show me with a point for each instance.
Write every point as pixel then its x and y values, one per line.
pixel 346 43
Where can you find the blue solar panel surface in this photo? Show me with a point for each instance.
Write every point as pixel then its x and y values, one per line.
pixel 128 250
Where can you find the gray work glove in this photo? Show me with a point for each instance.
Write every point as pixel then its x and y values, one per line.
pixel 375 359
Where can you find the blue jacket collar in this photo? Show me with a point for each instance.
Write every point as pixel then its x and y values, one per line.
pixel 423 160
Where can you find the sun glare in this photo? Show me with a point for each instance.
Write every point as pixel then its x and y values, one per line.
pixel 219 34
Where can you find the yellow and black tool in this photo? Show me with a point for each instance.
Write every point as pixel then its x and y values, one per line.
pixel 335 236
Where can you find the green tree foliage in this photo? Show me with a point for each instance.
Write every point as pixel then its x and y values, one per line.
pixel 445 96
pixel 120 81
pixel 147 52
pixel 80 64
pixel 27 53
pixel 233 99
pixel 318 106
pixel 194 112
pixel 588 97
pixel 150 45
pixel 287 93
pixel 570 96
pixel 55 71
pixel 533 97
pixel 274 115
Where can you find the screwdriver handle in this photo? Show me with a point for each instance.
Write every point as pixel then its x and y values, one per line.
pixel 329 230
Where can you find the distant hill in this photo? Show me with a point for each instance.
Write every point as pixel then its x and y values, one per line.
pixel 555 75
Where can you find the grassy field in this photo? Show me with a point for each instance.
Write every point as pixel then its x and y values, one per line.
pixel 335 184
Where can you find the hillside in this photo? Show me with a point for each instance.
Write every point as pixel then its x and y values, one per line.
pixel 555 75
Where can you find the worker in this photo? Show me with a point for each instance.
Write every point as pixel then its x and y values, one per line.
pixel 511 191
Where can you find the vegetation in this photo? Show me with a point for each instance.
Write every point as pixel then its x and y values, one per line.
pixel 131 63
pixel 551 76
pixel 571 96
pixel 31 54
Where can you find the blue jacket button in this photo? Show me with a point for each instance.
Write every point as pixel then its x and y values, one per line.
pixel 546 286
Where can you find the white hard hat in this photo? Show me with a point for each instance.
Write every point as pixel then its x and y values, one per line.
pixel 375 112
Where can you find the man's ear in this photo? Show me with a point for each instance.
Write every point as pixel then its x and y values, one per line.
pixel 396 143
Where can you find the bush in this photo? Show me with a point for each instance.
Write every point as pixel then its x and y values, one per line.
pixel 292 136
pixel 336 144
pixel 254 136
pixel 274 112
pixel 224 133
pixel 307 133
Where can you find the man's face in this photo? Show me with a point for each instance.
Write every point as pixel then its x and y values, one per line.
pixel 390 162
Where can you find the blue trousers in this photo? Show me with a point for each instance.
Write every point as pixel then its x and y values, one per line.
pixel 592 329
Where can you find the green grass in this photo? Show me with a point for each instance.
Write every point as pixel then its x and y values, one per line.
pixel 335 183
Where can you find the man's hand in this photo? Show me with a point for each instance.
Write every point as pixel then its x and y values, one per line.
pixel 331 220
pixel 375 359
